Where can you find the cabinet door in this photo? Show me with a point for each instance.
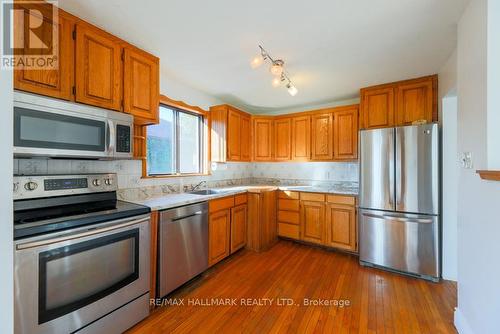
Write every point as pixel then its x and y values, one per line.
pixel 341 227
pixel 238 227
pixel 98 68
pixel 282 139
pixel 55 81
pixel 263 130
pixel 233 135
pixel 322 137
pixel 301 138
pixel 246 139
pixel 414 102
pixel 377 108
pixel 345 134
pixel 218 235
pixel 312 221
pixel 141 91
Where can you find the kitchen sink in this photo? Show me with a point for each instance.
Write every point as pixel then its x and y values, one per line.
pixel 207 192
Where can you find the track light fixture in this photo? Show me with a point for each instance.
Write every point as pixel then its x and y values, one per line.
pixel 277 69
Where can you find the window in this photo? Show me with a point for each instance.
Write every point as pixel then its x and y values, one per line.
pixel 175 145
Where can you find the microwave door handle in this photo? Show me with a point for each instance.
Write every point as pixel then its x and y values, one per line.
pixel 111 137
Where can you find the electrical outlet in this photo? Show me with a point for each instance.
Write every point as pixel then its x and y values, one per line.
pixel 466 160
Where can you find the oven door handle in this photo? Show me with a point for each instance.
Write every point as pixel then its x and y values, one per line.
pixel 87 233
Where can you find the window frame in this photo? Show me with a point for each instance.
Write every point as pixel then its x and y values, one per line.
pixel 204 138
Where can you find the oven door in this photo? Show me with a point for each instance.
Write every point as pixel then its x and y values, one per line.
pixel 60 133
pixel 68 280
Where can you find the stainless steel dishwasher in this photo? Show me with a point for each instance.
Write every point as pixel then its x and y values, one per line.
pixel 182 246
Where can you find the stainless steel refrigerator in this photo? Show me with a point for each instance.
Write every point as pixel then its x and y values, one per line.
pixel 399 214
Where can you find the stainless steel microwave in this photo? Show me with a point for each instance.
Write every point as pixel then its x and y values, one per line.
pixel 47 127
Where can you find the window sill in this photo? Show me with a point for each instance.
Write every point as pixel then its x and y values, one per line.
pixel 491 175
pixel 173 176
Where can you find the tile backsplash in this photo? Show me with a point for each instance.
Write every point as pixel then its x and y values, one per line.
pixel 131 184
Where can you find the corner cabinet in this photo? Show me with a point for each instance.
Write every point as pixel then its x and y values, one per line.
pixel 141 85
pixel 399 103
pixel 54 82
pixel 230 134
pixel 282 139
pixel 301 138
pixel 263 139
pixel 98 69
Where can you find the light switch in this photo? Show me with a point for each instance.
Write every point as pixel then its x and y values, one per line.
pixel 466 160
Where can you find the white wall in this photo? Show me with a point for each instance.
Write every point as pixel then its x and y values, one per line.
pixel 450 186
pixel 6 219
pixel 448 120
pixel 175 89
pixel 478 215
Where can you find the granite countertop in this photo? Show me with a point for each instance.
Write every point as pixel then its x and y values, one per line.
pixel 181 199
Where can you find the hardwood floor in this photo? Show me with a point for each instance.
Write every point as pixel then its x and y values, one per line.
pixel 380 302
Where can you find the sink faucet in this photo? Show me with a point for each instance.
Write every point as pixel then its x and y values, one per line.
pixel 193 188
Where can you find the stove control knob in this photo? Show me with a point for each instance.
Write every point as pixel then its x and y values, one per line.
pixel 16 186
pixel 108 182
pixel 30 186
pixel 96 182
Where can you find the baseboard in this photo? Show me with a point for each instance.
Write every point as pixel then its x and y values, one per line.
pixel 461 323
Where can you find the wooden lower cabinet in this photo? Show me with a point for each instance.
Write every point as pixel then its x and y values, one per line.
pixel 340 227
pixel 262 229
pixel 312 221
pixel 238 227
pixel 218 235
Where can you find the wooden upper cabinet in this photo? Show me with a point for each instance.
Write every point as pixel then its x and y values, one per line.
pixel 263 139
pixel 218 235
pixel 238 227
pixel 99 75
pixel 340 227
pixel 377 108
pixel 282 139
pixel 345 134
pixel 414 102
pixel 322 136
pixel 312 222
pixel 230 134
pixel 55 81
pixel 233 135
pixel 141 90
pixel 246 138
pixel 399 103
pixel 301 138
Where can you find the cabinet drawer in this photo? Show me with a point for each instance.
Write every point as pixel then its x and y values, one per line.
pixel 288 231
pixel 288 217
pixel 315 197
pixel 288 194
pixel 221 204
pixel 341 199
pixel 288 204
pixel 240 199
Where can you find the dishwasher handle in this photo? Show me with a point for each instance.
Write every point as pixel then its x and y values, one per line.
pixel 197 213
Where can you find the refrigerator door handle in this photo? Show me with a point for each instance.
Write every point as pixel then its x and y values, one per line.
pixel 400 219
pixel 399 165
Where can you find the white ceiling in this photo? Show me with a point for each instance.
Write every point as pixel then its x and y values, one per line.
pixel 331 47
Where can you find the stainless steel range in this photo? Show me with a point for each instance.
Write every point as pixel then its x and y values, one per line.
pixel 81 255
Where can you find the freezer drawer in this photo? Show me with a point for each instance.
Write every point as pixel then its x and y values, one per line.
pixel 417 169
pixel 403 242
pixel 377 169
